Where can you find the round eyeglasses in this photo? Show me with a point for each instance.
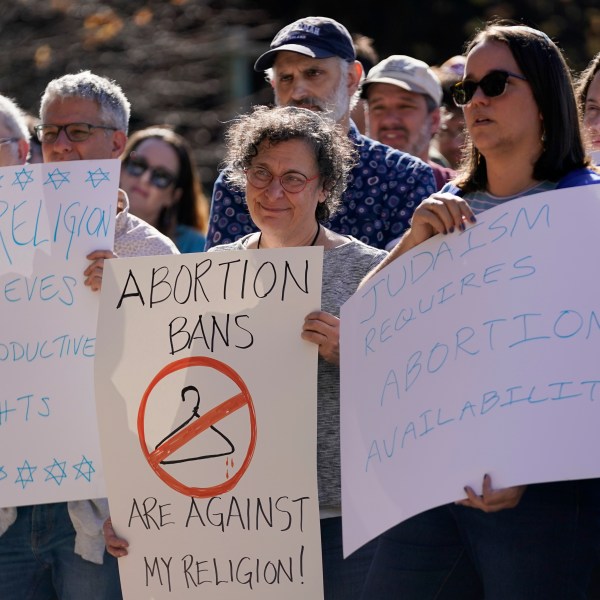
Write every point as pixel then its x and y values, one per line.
pixel 492 85
pixel 76 132
pixel 292 182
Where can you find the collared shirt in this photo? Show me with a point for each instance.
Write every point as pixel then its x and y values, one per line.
pixel 384 188
pixel 135 237
pixel 442 175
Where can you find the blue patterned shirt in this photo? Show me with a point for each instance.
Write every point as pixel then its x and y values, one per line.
pixel 383 190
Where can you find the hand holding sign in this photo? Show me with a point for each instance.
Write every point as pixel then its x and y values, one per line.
pixel 203 449
pixel 93 272
pixel 492 500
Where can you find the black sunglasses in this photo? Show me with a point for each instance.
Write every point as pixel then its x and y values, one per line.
pixel 136 166
pixel 492 85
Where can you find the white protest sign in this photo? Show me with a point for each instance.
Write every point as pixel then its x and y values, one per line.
pixel 206 401
pixel 51 216
pixel 474 353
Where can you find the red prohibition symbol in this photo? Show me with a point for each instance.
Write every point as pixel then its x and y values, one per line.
pixel 208 419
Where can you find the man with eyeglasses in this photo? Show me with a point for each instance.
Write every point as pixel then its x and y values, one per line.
pixel 312 64
pixel 14 134
pixel 56 551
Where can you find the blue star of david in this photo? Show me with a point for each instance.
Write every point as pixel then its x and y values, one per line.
pixel 23 177
pixel 57 178
pixel 3 474
pixel 84 469
pixel 97 177
pixel 29 478
pixel 56 471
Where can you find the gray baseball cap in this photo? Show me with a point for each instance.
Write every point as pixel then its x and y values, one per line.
pixel 408 73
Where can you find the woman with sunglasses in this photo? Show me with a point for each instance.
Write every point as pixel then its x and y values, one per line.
pixel 293 165
pixel 524 542
pixel 588 96
pixel 163 186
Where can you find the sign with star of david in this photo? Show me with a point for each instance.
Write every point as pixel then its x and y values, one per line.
pixel 51 217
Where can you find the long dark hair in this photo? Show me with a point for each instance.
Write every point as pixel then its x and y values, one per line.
pixel 193 206
pixel 544 66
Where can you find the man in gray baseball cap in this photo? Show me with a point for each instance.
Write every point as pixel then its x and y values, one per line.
pixel 403 96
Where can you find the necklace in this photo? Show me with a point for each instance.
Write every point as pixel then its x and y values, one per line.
pixel 311 244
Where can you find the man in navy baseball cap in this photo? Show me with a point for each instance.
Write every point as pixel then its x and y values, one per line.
pixel 312 64
pixel 317 37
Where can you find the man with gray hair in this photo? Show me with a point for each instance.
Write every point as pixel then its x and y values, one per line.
pixel 14 134
pixel 56 551
pixel 83 116
pixel 312 64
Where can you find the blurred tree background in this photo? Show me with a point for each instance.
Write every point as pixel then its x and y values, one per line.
pixel 188 63
pixel 434 30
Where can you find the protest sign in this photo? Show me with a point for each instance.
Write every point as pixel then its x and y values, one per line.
pixel 206 401
pixel 51 216
pixel 473 353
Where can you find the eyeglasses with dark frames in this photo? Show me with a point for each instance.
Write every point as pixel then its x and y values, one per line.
pixel 492 85
pixel 160 177
pixel 75 132
pixel 292 182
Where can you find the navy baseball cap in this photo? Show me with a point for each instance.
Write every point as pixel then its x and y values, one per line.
pixel 317 37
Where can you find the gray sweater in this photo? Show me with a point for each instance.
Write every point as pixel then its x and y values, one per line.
pixel 343 269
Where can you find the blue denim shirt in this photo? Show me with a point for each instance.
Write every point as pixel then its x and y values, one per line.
pixel 384 188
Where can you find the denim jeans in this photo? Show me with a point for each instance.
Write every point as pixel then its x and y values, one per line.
pixel 343 578
pixel 544 549
pixel 423 558
pixel 38 562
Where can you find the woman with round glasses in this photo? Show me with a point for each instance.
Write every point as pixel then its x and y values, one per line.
pixel 293 165
pixel 163 186
pixel 524 542
pixel 588 96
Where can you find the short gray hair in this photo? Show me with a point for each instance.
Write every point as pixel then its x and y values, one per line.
pixel 14 118
pixel 113 104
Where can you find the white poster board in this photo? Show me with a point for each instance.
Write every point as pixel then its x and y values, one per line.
pixel 206 400
pixel 474 353
pixel 51 216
